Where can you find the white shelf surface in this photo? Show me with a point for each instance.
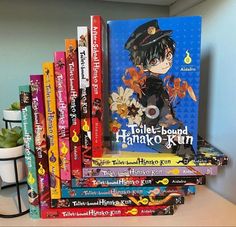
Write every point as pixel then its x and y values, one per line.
pixel 206 208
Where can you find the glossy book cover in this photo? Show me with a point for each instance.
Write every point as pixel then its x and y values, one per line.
pixel 154 74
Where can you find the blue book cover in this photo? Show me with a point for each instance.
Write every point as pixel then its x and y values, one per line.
pixel 154 69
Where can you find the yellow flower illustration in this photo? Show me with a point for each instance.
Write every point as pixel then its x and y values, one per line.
pixel 114 126
pixel 122 110
pixel 122 97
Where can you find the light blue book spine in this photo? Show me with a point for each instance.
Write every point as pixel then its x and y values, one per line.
pixel 29 150
pixel 124 191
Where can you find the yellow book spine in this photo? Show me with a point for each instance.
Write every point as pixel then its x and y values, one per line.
pixel 144 162
pixel 52 134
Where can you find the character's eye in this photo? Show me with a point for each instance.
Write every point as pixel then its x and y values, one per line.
pixel 154 62
pixel 169 55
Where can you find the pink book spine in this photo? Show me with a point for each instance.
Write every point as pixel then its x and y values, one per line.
pixel 62 111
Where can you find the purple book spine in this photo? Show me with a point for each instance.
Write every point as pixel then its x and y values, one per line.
pixel 150 171
pixel 39 124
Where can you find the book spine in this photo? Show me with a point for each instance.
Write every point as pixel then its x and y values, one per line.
pixel 122 191
pixel 216 157
pixel 74 107
pixel 51 125
pixel 150 161
pixel 85 94
pixel 150 171
pixel 141 181
pixel 170 199
pixel 97 74
pixel 62 110
pixel 39 122
pixel 108 212
pixel 29 150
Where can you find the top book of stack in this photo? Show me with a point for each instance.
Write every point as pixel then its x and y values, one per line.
pixel 154 69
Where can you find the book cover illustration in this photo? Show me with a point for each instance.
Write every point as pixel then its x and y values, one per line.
pixel 39 122
pixel 51 128
pixel 208 156
pixel 74 107
pixel 211 154
pixel 62 115
pixel 154 84
pixel 85 94
pixel 29 150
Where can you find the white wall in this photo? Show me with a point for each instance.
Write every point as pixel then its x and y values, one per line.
pixel 30 31
pixel 218 86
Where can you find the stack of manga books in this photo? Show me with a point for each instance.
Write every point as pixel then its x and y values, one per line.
pixel 153 156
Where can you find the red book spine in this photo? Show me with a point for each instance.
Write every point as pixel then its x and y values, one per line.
pixel 97 30
pixel 74 107
pixel 107 212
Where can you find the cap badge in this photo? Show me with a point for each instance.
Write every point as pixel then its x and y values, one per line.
pixel 151 30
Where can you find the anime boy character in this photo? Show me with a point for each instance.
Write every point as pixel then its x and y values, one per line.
pixel 96 109
pixel 151 50
pixel 33 197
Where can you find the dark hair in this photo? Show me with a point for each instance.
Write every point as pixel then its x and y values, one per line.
pixel 144 54
pixel 32 194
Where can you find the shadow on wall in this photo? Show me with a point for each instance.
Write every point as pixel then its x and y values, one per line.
pixel 205 82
